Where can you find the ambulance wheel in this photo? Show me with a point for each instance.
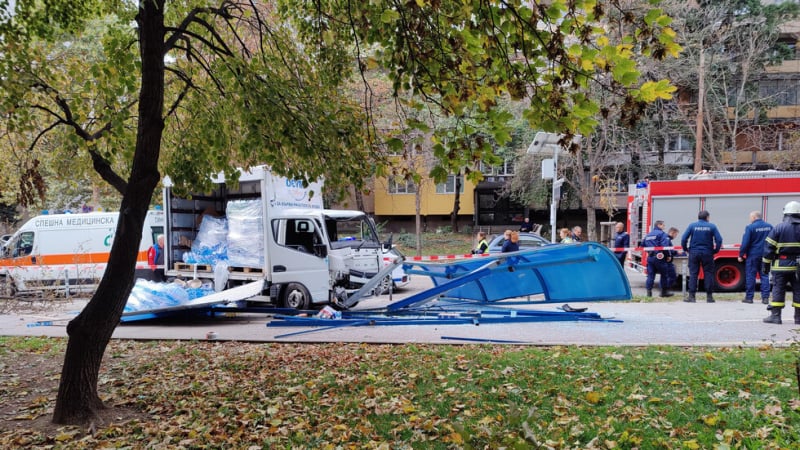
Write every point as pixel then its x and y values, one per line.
pixel 7 289
pixel 296 296
pixel 730 276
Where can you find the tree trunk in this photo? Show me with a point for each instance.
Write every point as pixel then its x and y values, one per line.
pixel 456 204
pixel 701 94
pixel 359 199
pixel 90 332
pixel 417 218
pixel 591 223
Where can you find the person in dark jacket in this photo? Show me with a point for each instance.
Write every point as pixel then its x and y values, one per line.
pixel 577 234
pixel 701 241
pixel 750 252
pixel 672 274
pixel 621 240
pixel 511 244
pixel 155 259
pixel 781 254
pixel 657 259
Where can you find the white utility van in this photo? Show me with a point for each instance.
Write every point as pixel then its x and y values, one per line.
pixel 272 234
pixel 67 253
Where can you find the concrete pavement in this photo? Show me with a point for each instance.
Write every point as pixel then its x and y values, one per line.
pixel 727 322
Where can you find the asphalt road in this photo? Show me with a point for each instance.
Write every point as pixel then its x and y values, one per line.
pixel 728 322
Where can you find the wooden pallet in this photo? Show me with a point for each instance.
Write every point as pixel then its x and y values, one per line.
pixel 246 269
pixel 190 267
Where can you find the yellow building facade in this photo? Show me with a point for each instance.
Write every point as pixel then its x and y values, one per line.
pixel 395 197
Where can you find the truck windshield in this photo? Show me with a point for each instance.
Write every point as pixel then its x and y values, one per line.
pixel 356 232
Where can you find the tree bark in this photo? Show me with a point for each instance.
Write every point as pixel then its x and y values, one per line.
pixel 701 95
pixel 89 333
pixel 456 204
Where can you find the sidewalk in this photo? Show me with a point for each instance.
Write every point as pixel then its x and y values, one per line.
pixel 724 323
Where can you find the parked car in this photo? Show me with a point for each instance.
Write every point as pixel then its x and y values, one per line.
pixel 526 241
pixel 4 238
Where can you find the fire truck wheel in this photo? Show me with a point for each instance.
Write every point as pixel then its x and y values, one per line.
pixel 296 296
pixel 7 289
pixel 730 276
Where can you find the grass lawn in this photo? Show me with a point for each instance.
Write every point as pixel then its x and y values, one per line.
pixel 436 243
pixel 242 395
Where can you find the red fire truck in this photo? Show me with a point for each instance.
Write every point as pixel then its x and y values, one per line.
pixel 728 196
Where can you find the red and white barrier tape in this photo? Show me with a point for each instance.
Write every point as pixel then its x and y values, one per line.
pixel 442 257
pixel 613 249
pixel 655 249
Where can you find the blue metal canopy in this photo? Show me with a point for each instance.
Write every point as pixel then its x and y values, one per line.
pixel 561 273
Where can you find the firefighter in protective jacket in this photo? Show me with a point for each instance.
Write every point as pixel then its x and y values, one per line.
pixel 781 253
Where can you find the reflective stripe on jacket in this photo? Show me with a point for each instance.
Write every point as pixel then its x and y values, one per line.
pixel 782 247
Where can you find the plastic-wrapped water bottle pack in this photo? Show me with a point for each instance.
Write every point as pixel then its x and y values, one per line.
pixel 245 225
pixel 211 244
pixel 148 295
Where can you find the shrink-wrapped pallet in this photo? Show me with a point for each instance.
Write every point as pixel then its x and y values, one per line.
pixel 245 233
pixel 211 244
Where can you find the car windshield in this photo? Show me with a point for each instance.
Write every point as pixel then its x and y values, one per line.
pixel 526 240
pixel 354 232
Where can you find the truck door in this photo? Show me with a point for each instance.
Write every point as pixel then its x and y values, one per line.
pixel 296 255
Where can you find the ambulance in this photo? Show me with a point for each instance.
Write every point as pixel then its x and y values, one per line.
pixel 67 253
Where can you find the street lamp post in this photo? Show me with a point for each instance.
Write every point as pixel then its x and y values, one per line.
pixel 545 143
pixel 556 194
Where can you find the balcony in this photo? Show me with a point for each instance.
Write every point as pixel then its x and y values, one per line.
pixel 784 112
pixel 791 66
pixel 737 157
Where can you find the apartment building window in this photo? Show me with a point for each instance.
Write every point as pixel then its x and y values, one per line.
pixel 780 92
pixel 507 168
pixel 449 186
pixel 680 143
pixel 401 186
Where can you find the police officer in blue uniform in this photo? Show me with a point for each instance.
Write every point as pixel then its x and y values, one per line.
pixel 750 252
pixel 621 240
pixel 657 260
pixel 781 253
pixel 701 241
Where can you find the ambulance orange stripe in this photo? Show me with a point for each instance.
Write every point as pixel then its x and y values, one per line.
pixel 50 260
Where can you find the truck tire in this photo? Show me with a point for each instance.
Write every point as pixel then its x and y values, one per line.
pixel 384 286
pixel 730 275
pixel 296 296
pixel 7 288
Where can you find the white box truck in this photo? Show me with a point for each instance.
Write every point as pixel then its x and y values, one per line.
pixel 67 253
pixel 272 234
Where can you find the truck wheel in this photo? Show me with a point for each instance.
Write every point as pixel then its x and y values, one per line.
pixel 730 276
pixel 296 296
pixel 384 285
pixel 7 289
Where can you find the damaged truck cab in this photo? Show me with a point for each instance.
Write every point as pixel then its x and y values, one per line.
pixel 272 233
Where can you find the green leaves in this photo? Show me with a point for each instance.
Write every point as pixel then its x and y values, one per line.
pixel 651 91
pixel 464 58
pixel 389 16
